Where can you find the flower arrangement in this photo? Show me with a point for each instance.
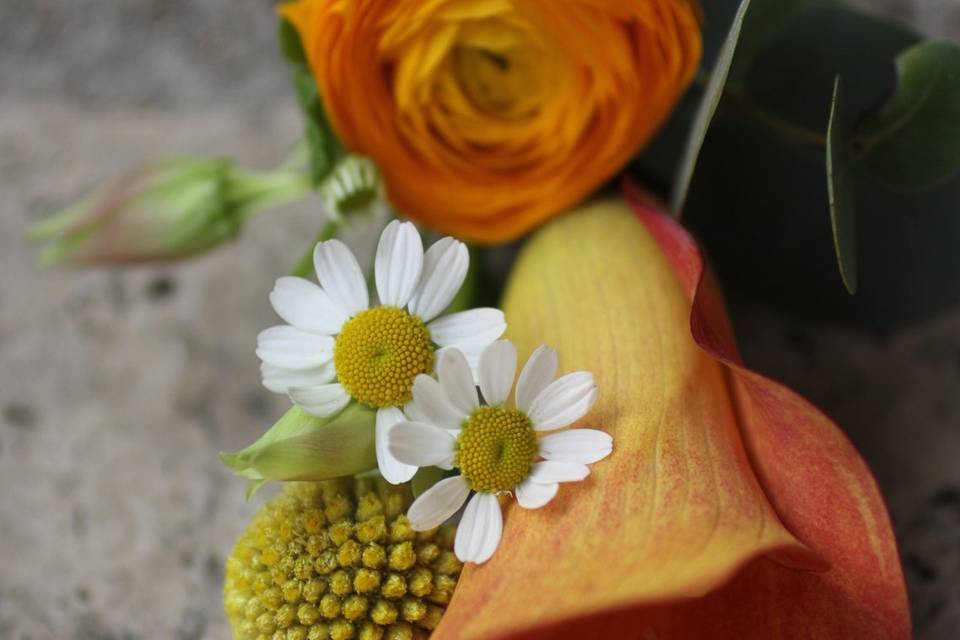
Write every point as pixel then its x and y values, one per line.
pixel 422 463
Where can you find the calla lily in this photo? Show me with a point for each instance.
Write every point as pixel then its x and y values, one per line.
pixel 730 507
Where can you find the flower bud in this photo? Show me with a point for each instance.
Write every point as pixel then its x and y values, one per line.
pixel 166 210
pixel 303 447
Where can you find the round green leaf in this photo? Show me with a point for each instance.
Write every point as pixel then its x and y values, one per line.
pixel 913 142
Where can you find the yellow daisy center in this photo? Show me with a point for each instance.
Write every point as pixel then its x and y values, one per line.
pixel 379 353
pixel 496 449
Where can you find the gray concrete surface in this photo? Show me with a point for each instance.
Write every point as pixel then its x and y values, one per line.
pixel 118 388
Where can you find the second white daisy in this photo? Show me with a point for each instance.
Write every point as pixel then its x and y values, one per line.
pixel 496 448
pixel 337 347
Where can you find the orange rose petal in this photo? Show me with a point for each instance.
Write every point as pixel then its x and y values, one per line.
pixel 486 117
pixel 676 510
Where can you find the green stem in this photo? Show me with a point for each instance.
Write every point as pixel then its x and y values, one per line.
pixel 738 102
pixel 305 265
pixel 256 193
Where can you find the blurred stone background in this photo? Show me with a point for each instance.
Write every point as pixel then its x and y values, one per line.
pixel 118 388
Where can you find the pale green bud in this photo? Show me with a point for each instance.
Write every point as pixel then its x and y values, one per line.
pixel 303 447
pixel 166 210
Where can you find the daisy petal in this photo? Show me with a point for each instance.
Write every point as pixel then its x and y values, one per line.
pixel 287 347
pixel 532 495
pixel 340 276
pixel 564 401
pixel 321 401
pixel 435 505
pixel 431 405
pixel 537 374
pixel 498 365
pixel 280 380
pixel 398 264
pixel 549 472
pixel 456 378
pixel 306 306
pixel 474 326
pixel 393 471
pixel 584 446
pixel 478 533
pixel 423 445
pixel 444 268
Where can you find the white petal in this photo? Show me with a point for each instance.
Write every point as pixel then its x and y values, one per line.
pixel 548 472
pixel 531 495
pixel 435 505
pixel 474 326
pixel 393 471
pixel 444 268
pixel 585 446
pixel 306 306
pixel 340 276
pixel 321 401
pixel 498 365
pixel 456 378
pixel 431 405
pixel 564 401
pixel 423 445
pixel 537 374
pixel 398 264
pixel 280 380
pixel 287 347
pixel 478 533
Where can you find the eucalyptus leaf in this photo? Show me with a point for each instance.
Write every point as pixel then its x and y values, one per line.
pixel 303 447
pixel 759 205
pixel 913 143
pixel 840 191
pixel 708 106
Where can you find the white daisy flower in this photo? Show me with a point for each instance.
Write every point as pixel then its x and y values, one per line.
pixel 336 346
pixel 498 449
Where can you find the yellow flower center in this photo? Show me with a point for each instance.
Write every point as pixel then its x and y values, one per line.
pixel 338 560
pixel 496 449
pixel 379 353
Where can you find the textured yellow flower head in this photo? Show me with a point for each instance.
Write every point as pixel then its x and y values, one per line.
pixel 337 560
pixel 488 116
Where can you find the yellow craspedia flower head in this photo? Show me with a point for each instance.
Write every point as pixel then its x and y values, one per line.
pixel 486 117
pixel 338 560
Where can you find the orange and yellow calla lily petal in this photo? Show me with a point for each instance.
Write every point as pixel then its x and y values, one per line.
pixel 486 117
pixel 730 507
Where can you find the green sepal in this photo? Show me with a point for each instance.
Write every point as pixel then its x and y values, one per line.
pixel 425 478
pixel 303 447
pixel 290 44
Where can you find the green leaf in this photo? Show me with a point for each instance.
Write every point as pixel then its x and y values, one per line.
pixel 912 144
pixel 759 205
pixel 840 191
pixel 708 106
pixel 303 447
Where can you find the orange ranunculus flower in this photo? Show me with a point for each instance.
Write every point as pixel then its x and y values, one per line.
pixel 488 116
pixel 730 509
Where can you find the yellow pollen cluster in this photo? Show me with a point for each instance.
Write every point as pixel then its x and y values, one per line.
pixel 496 449
pixel 379 353
pixel 337 560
